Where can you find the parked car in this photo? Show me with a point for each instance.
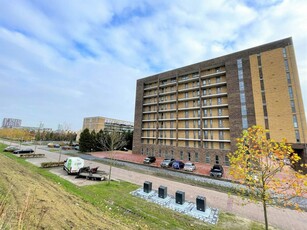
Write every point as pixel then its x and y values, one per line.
pixel 19 151
pixel 66 147
pixel 125 149
pixel 178 165
pixel 217 171
pixel 166 163
pixel 56 146
pixel 149 160
pixel 10 148
pixel 189 166
pixel 77 148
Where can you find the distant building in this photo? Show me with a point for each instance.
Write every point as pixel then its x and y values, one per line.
pixel 106 124
pixel 11 123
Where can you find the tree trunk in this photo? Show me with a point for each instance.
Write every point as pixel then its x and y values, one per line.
pixel 110 173
pixel 265 214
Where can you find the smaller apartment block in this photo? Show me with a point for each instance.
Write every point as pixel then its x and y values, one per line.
pixel 196 112
pixel 106 124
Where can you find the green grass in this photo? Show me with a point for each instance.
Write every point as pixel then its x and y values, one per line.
pixel 115 200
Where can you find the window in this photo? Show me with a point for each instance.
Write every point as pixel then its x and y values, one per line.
pixel 221 135
pixel 187 134
pixel 241 85
pixel 205 112
pixel 186 114
pixel 297 135
pixel 181 155
pixel 211 135
pixel 288 78
pixel 290 92
pixel 206 134
pixel 220 112
pixel 284 53
pixel 205 123
pixel 221 145
pixel 286 65
pixel 220 123
pixel 207 158
pixel 242 98
pixel 293 106
pixel 218 79
pixel 196 156
pixel 244 123
pixel 186 85
pixel 227 163
pixel 189 156
pixel 205 145
pixel 239 63
pixel 205 102
pixel 186 124
pixel 295 121
pixel 171 134
pixel 204 92
pixel 186 95
pixel 204 82
pixel 172 124
pixel 217 161
pixel 219 100
pixel 243 109
pixel 186 104
pixel 142 151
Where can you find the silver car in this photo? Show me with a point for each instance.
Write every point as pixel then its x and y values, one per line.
pixel 189 166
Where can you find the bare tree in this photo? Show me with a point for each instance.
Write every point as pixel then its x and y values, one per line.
pixel 111 141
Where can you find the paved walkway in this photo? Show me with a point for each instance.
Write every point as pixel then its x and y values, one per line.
pixel 278 217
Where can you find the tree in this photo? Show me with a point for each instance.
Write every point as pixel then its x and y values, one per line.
pixel 262 165
pixel 110 141
pixel 85 141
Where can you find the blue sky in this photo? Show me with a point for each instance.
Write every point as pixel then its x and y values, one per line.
pixel 61 61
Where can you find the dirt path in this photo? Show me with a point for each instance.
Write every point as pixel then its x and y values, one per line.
pixel 41 198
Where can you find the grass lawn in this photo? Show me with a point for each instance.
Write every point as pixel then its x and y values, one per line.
pixel 114 201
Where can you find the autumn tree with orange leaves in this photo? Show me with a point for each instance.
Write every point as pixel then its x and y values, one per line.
pixel 263 166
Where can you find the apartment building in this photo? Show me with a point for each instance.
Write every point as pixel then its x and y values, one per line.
pixel 195 113
pixel 106 124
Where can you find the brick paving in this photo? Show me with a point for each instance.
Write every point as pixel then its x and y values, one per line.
pixel 201 168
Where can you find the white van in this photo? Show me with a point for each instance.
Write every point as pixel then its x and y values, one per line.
pixel 73 164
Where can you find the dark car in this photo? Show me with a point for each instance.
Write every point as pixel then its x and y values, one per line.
pixel 178 165
pixel 167 163
pixel 10 149
pixel 149 160
pixel 217 171
pixel 23 151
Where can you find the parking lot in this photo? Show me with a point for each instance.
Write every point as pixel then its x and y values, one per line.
pixel 201 168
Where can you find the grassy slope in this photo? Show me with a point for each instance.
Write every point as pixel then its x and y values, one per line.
pixel 114 202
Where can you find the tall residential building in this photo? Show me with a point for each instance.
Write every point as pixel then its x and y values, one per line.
pixel 11 123
pixel 106 124
pixel 196 112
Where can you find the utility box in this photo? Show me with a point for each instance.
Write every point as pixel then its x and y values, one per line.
pixel 201 203
pixel 162 192
pixel 147 186
pixel 180 197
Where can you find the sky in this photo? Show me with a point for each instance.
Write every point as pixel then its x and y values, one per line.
pixel 61 61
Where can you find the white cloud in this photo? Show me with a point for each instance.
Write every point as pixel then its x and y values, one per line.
pixel 69 59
